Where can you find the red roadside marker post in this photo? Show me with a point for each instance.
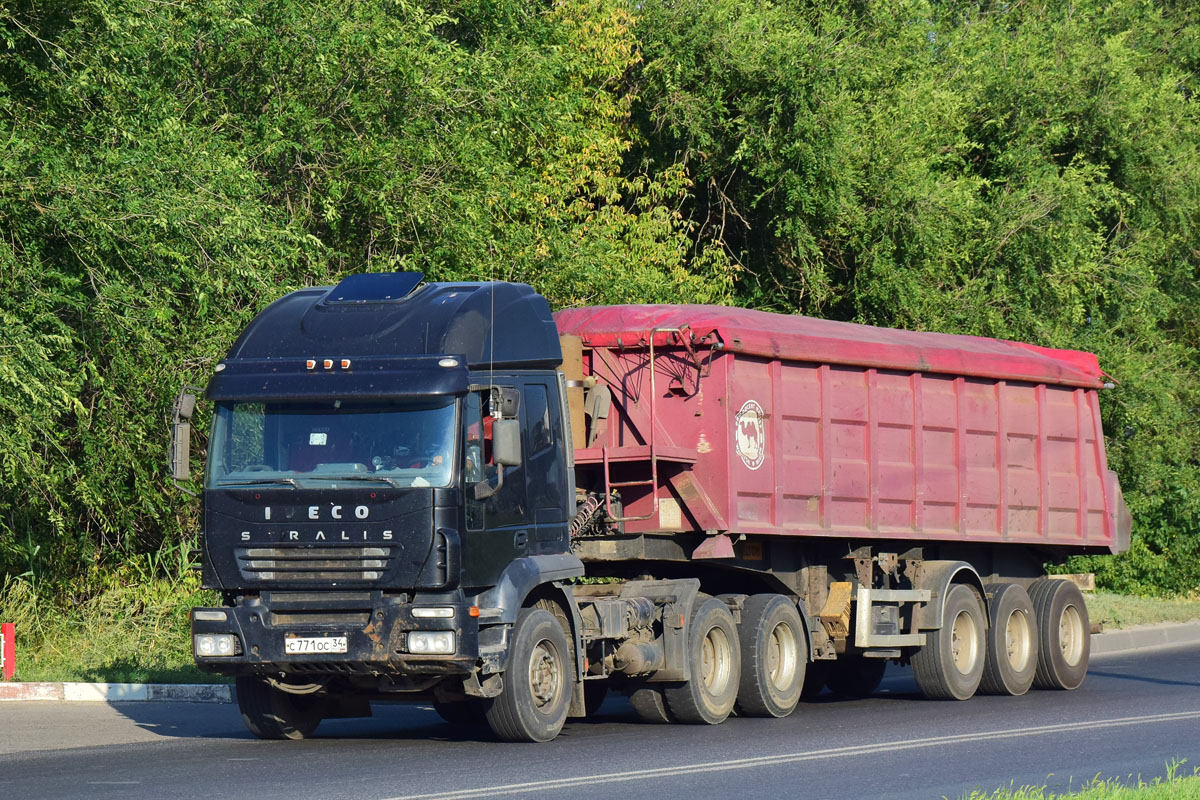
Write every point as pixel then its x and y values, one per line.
pixel 8 650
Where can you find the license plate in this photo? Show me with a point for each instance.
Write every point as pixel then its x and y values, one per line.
pixel 303 645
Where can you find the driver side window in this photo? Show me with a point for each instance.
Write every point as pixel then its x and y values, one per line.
pixel 475 446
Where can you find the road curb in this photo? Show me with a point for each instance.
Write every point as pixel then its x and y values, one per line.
pixel 1141 637
pixel 118 692
pixel 1114 641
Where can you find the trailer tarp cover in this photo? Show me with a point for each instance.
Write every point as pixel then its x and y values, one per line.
pixel 798 338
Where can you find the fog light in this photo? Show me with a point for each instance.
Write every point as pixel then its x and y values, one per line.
pixel 431 642
pixel 433 613
pixel 209 645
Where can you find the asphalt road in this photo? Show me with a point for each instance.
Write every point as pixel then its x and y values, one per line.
pixel 1135 713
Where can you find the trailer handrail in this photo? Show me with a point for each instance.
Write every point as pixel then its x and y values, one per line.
pixel 609 485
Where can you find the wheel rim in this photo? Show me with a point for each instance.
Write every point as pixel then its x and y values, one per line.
pixel 782 657
pixel 1017 640
pixel 544 675
pixel 715 661
pixel 1070 635
pixel 964 642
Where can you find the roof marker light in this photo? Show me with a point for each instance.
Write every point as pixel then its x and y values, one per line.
pixel 448 362
pixel 311 363
pixel 219 368
pixel 345 363
pixel 328 363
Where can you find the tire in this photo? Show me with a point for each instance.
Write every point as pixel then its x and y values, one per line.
pixel 538 684
pixel 650 705
pixel 462 712
pixel 950 665
pixel 273 714
pixel 594 693
pixel 1064 634
pixel 854 676
pixel 774 656
pixel 715 660
pixel 1012 642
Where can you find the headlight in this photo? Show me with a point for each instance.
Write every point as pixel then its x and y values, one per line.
pixel 431 642
pixel 208 645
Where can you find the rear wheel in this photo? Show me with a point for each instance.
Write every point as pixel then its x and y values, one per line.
pixel 715 661
pixel 855 676
pixel 1012 641
pixel 773 656
pixel 650 705
pixel 533 704
pixel 950 665
pixel 271 713
pixel 1064 634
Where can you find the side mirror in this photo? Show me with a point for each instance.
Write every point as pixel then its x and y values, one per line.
pixel 181 451
pixel 506 442
pixel 506 452
pixel 181 435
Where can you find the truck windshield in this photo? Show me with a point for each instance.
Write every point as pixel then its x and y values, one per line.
pixel 321 445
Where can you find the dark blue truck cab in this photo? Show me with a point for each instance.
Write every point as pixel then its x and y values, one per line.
pixel 388 479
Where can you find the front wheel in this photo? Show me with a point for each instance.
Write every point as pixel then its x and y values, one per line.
pixel 715 661
pixel 950 665
pixel 1064 634
pixel 536 697
pixel 271 713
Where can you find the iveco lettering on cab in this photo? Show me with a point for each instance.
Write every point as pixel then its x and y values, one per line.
pixel 406 481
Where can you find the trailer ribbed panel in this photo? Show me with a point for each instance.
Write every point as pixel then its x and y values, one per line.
pixel 807 428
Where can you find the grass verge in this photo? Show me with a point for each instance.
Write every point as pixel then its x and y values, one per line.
pixel 120 631
pixel 1123 611
pixel 1171 787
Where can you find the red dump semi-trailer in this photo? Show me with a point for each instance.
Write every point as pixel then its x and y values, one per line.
pixel 407 482
pixel 856 469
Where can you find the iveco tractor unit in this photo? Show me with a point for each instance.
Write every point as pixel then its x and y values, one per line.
pixel 444 492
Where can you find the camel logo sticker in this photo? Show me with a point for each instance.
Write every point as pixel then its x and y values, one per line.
pixel 749 433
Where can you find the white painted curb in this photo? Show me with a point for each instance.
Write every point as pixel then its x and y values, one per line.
pixel 118 692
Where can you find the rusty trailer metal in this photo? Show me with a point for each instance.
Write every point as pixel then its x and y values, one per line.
pixel 742 421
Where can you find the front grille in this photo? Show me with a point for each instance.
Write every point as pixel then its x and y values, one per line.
pixel 313 564
pixel 301 619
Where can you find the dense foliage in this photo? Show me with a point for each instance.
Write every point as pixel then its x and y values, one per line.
pixel 1028 171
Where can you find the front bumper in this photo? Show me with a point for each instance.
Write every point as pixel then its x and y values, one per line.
pixel 376 628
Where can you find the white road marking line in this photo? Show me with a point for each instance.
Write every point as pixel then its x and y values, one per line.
pixel 114 783
pixel 791 758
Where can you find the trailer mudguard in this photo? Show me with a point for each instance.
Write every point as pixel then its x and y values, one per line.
pixel 937 576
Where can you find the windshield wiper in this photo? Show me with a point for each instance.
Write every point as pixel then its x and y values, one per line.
pixel 255 481
pixel 370 478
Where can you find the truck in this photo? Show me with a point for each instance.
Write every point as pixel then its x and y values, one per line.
pixel 445 493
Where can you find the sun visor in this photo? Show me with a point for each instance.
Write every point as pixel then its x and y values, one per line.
pixel 255 380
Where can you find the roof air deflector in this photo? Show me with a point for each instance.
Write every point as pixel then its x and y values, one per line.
pixel 375 287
